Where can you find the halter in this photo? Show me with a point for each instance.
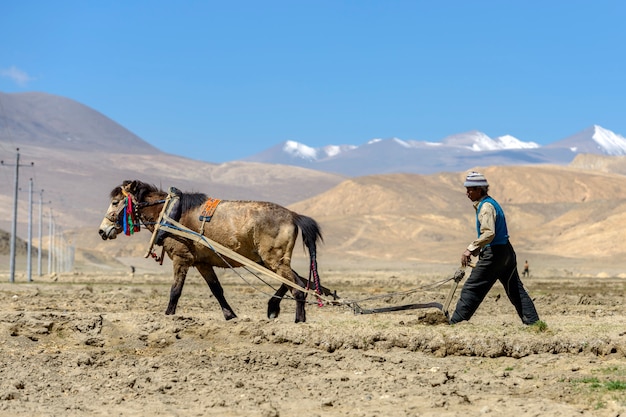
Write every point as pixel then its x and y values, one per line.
pixel 127 216
pixel 129 221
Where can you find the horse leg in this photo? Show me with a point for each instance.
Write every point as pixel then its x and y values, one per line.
pixel 180 273
pixel 273 306
pixel 208 273
pixel 300 297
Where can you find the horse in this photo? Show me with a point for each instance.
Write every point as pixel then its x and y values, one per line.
pixel 261 231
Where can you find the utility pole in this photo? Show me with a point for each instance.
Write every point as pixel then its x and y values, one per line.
pixel 14 223
pixel 40 232
pixel 29 251
pixel 50 244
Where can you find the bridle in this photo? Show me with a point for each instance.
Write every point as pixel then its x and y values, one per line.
pixel 114 216
pixel 129 213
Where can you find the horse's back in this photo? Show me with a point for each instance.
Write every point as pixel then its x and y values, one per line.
pixel 238 216
pixel 252 228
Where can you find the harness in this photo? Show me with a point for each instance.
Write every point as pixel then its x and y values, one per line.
pixel 207 211
pixel 209 208
pixel 166 224
pixel 126 216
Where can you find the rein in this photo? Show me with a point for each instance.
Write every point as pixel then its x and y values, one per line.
pixel 151 203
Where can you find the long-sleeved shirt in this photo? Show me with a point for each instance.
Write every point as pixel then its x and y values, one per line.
pixel 487 220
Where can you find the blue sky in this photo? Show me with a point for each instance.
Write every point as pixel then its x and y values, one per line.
pixel 228 79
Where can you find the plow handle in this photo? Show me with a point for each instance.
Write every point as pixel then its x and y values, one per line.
pixel 458 276
pixel 446 305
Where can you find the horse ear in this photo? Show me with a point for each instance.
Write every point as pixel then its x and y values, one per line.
pixel 128 187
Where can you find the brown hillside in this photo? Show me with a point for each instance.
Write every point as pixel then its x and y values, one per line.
pixel 567 213
pixel 551 211
pixel 601 163
pixel 40 119
pixel 21 247
pixel 78 183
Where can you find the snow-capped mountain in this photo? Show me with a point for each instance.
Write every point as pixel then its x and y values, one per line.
pixel 299 150
pixel 475 141
pixel 594 139
pixel 478 142
pixel 455 152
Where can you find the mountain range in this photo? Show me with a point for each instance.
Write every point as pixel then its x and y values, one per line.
pixel 577 203
pixel 48 120
pixel 457 152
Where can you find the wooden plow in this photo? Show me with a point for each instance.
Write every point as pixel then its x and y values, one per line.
pixel 458 276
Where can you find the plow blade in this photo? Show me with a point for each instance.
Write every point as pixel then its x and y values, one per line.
pixel 359 310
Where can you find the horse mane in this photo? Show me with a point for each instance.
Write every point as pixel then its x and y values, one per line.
pixel 140 191
pixel 192 200
pixel 188 200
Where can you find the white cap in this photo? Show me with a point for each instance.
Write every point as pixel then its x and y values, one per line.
pixel 475 179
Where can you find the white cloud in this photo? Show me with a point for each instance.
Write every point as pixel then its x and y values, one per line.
pixel 17 75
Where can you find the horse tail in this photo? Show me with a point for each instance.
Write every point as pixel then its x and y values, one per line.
pixel 311 233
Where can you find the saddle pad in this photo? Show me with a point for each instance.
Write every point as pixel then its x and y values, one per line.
pixel 209 208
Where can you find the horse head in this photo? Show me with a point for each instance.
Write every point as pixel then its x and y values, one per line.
pixel 122 197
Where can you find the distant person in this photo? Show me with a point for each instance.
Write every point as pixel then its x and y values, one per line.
pixel 526 272
pixel 496 258
pixel 132 271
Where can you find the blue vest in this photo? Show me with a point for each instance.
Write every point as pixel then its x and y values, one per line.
pixel 502 233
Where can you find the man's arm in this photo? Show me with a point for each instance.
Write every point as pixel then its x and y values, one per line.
pixel 487 220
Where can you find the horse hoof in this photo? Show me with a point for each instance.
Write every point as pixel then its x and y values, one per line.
pixel 272 313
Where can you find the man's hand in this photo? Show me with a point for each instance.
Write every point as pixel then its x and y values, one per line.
pixel 466 257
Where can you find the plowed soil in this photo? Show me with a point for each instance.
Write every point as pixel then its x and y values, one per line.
pixel 100 344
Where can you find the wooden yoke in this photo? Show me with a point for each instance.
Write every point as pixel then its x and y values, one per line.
pixel 167 207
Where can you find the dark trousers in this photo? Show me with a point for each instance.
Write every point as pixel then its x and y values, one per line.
pixel 495 263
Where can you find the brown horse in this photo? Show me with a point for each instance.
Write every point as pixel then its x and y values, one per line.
pixel 263 232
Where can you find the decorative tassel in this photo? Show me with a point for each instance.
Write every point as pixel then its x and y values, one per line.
pixel 125 222
pixel 127 218
pixel 131 225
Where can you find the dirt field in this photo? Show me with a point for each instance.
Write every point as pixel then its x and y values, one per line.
pixel 99 344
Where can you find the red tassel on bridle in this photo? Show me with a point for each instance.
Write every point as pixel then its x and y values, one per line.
pixel 131 225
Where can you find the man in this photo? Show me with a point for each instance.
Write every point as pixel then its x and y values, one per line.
pixel 496 258
pixel 526 272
